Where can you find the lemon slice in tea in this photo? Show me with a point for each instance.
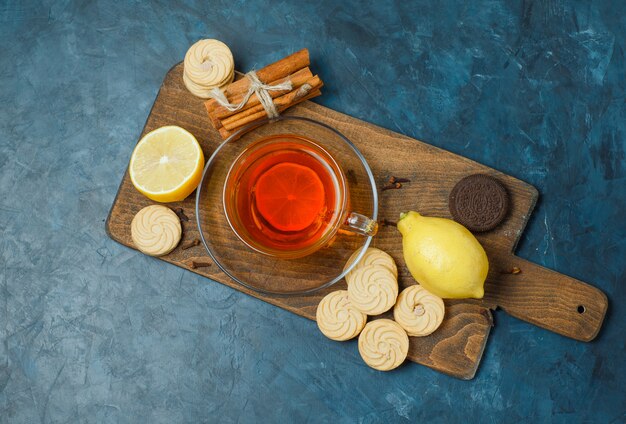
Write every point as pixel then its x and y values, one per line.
pixel 290 196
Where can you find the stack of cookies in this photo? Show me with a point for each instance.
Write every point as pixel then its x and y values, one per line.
pixel 208 64
pixel 373 290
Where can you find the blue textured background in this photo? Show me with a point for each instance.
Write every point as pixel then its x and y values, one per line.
pixel 94 332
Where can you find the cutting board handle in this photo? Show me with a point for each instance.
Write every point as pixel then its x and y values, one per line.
pixel 548 299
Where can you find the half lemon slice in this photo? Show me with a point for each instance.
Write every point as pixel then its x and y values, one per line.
pixel 166 165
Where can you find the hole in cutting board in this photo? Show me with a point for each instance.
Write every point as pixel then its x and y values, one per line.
pixel 581 309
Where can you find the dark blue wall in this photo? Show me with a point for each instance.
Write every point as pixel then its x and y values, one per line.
pixel 95 332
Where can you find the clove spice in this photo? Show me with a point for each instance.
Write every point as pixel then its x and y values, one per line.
pixel 190 244
pixel 199 263
pixel 393 180
pixel 386 222
pixel 181 214
pixel 394 183
pixel 393 186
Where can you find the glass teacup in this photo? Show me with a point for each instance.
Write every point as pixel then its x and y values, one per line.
pixel 254 175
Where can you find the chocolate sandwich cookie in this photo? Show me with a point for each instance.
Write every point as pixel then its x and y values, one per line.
pixel 479 202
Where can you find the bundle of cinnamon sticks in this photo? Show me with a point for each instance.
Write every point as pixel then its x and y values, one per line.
pixel 294 68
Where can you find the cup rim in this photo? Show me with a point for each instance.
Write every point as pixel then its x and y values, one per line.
pixel 235 136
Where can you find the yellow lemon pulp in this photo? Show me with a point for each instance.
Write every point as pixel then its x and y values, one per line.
pixel 443 256
pixel 166 165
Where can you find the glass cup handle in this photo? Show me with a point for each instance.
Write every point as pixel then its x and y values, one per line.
pixel 361 224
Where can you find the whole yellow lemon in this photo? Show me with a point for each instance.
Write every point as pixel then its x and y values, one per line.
pixel 443 256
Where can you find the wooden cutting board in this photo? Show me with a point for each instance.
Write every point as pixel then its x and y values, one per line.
pixel 537 295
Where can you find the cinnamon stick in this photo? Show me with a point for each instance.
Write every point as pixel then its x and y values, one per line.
pixel 199 263
pixel 282 103
pixel 224 133
pixel 273 72
pixel 244 116
pixel 190 244
pixel 293 67
pixel 297 79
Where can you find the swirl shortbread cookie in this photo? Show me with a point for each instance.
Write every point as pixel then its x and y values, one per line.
pixel 383 344
pixel 337 318
pixel 418 311
pixel 373 289
pixel 372 256
pixel 200 91
pixel 208 64
pixel 155 230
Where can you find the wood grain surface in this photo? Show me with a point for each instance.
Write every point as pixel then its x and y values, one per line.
pixel 537 295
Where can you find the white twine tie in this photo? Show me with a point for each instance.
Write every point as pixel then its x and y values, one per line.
pixel 256 87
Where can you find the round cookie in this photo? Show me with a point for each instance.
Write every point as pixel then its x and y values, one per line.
pixel 203 92
pixel 479 202
pixel 208 64
pixel 373 289
pixel 383 344
pixel 337 318
pixel 418 311
pixel 372 256
pixel 155 230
